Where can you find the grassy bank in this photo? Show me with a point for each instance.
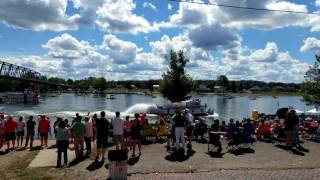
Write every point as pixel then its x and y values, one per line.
pixel 18 168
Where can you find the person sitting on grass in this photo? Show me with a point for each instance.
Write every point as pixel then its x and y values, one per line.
pixel 62 137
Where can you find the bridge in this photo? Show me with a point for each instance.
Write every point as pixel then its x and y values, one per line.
pixel 12 71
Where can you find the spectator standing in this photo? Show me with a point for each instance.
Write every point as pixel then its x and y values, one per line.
pixel 2 122
pixel 88 133
pixel 62 138
pixel 136 135
pixel 79 130
pixel 10 127
pixel 189 127
pixel 102 126
pixel 20 131
pixel 179 123
pixel 30 131
pixel 44 129
pixel 118 127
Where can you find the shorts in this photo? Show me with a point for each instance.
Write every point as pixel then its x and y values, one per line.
pixel 10 136
pixel 189 130
pixel 102 143
pixel 20 133
pixel 45 135
pixel 118 138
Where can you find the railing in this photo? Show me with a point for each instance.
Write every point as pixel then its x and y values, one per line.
pixel 12 71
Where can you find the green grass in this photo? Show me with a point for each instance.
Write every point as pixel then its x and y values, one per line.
pixel 18 169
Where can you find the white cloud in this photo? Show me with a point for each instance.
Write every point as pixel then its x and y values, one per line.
pixel 169 7
pixel 149 5
pixel 310 44
pixel 68 47
pixel 317 2
pixel 37 15
pixel 116 16
pixel 121 52
pixel 213 37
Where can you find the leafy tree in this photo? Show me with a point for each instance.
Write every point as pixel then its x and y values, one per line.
pixel 100 84
pixel 311 86
pixel 176 84
pixel 223 81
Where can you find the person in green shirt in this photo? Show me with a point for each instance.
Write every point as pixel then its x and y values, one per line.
pixel 78 132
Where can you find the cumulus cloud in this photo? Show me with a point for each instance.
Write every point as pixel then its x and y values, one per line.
pixel 37 15
pixel 116 16
pixel 310 44
pixel 213 37
pixel 67 47
pixel 121 52
pixel 169 7
pixel 197 15
pixel 317 2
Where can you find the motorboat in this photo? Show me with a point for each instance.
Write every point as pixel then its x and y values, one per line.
pixel 194 106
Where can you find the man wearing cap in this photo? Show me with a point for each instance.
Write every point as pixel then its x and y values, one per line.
pixel 179 123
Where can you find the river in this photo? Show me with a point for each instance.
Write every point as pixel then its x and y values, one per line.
pixel 68 104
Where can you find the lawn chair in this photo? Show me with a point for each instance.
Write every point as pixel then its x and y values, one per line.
pixel 214 142
pixel 235 142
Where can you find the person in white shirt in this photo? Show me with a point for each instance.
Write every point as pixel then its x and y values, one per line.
pixel 88 133
pixel 118 127
pixel 189 127
pixel 20 131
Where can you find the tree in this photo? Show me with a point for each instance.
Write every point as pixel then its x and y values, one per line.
pixel 176 84
pixel 311 85
pixel 100 84
pixel 223 81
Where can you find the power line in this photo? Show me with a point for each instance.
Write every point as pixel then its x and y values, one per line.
pixel 243 7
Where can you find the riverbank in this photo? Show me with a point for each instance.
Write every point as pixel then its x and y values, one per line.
pixel 156 161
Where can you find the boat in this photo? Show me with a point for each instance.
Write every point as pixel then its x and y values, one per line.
pixel 194 106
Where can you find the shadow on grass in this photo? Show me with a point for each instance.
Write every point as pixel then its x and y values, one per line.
pixel 290 149
pixel 314 140
pixel 77 161
pixel 4 152
pixel 36 148
pixel 95 165
pixel 215 154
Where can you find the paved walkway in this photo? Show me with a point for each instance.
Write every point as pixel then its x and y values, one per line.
pixel 267 161
pixel 303 174
pixel 48 158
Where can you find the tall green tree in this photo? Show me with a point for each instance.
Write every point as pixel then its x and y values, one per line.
pixel 176 84
pixel 311 85
pixel 100 84
pixel 223 81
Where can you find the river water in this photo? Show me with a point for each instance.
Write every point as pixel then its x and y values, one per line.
pixel 68 104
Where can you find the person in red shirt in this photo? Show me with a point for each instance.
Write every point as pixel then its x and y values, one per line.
pixel 10 127
pixel 44 129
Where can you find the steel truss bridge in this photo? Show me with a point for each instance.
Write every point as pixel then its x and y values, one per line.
pixel 15 72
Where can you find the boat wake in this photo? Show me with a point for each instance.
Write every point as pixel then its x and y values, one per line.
pixel 137 108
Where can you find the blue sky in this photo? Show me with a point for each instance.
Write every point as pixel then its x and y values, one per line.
pixel 130 39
